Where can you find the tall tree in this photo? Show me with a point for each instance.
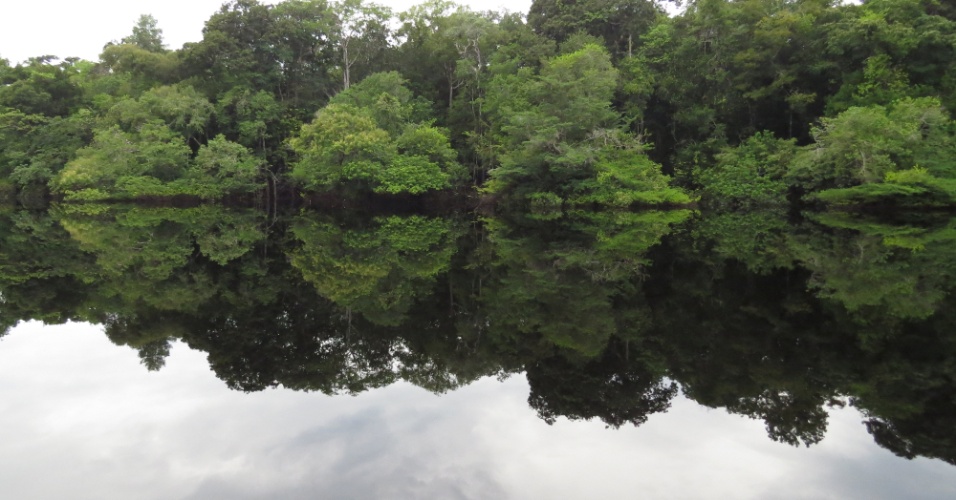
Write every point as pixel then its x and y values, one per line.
pixel 620 24
pixel 362 32
pixel 146 34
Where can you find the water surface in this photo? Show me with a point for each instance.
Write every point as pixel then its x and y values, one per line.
pixel 209 353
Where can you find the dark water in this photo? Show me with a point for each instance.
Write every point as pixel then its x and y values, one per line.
pixel 213 353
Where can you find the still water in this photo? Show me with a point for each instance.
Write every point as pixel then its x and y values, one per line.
pixel 210 353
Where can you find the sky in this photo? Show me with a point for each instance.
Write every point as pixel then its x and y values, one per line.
pixel 70 28
pixel 80 418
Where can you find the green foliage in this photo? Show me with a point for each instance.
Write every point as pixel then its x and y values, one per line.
pixel 576 89
pixel 8 192
pixel 180 107
pixel 559 134
pixel 33 148
pixel 129 69
pixel 42 88
pixel 154 151
pixel 253 119
pixel 146 34
pixel 362 34
pixel 226 166
pixel 545 203
pixel 862 146
pixel 387 99
pixel 147 153
pixel 913 187
pixel 365 140
pixel 427 141
pixel 378 270
pixel 433 144
pixel 142 147
pixel 279 49
pixel 410 174
pixel 724 70
pixel 340 137
pixel 619 24
pixel 752 174
pixel 890 49
pixel 550 104
pixel 445 55
pixel 626 178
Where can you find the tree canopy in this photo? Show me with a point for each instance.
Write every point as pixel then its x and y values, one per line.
pixel 584 103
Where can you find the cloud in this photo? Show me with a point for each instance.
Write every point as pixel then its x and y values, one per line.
pixel 81 29
pixel 83 419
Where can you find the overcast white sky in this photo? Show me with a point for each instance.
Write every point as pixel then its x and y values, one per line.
pixel 67 28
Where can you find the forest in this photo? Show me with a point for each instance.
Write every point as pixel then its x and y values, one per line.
pixel 589 103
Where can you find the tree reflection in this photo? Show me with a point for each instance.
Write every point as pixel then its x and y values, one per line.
pixel 614 388
pixel 608 314
pixel 377 268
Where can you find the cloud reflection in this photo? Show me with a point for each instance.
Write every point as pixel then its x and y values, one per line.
pixel 83 419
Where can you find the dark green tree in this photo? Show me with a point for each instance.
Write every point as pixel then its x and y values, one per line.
pixel 146 34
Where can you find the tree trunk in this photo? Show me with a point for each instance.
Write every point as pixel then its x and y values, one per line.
pixel 345 65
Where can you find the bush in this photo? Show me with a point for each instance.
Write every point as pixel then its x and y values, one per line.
pixel 751 174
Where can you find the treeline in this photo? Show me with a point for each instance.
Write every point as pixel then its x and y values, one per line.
pixel 607 102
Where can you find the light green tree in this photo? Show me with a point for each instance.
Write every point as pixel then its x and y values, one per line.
pixel 368 139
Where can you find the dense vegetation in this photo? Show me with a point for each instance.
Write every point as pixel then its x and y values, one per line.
pixel 608 102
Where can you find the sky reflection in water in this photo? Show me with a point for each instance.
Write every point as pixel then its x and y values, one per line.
pixel 83 419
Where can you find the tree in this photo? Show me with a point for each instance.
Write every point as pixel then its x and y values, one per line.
pixel 223 167
pixel 146 35
pixel 153 153
pixel 253 119
pixel 420 57
pixel 620 24
pixel 128 70
pixel 362 33
pixel 342 144
pixel 303 33
pixel 367 139
pixel 42 87
pixel 752 174
pixel 889 49
pixel 387 98
pixel 865 145
pixel 378 270
pixel 156 145
pixel 557 133
pixel 611 388
pixel 180 107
